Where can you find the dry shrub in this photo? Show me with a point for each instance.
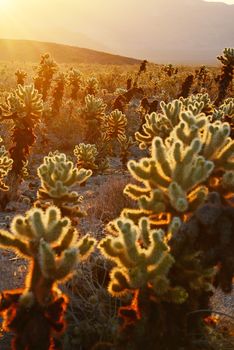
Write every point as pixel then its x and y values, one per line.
pixel 110 199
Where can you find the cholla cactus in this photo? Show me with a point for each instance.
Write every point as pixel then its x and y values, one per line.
pixel 20 76
pixel 169 70
pixel 171 179
pixel 45 72
pixel 143 261
pixel 5 166
pixel 57 176
pixel 92 86
pixel 86 156
pixel 202 75
pixel 186 86
pixel 24 106
pixel 50 243
pixel 144 264
pixel 58 92
pixel 94 108
pixel 226 113
pixel 125 147
pixel 74 81
pixel 196 151
pixel 199 103
pixel 225 79
pixel 92 114
pixel 114 126
pixel 161 124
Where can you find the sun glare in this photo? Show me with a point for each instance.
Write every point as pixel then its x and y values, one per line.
pixel 4 4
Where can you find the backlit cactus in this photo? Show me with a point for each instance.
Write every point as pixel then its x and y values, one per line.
pixel 36 313
pixel 143 261
pixel 161 124
pixel 75 79
pixel 86 155
pixel 45 72
pixel 173 177
pixel 5 166
pixel 58 92
pixel 92 86
pixel 92 115
pixel 114 127
pixel 58 175
pixel 24 107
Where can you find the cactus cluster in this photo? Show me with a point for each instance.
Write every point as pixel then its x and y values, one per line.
pixel 175 176
pixel 158 264
pixel 161 124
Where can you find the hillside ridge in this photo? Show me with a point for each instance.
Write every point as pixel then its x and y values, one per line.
pixel 30 50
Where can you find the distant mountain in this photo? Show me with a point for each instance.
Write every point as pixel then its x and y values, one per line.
pixel 30 51
pixel 162 31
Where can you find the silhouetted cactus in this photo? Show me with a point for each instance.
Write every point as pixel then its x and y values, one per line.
pixel 20 76
pixel 45 72
pixel 226 77
pixel 92 86
pixel 169 70
pixel 186 86
pixel 74 81
pixel 58 93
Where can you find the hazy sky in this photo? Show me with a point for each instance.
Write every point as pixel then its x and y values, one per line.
pixel 102 24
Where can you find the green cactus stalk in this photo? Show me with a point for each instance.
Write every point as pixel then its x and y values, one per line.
pixel 48 241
